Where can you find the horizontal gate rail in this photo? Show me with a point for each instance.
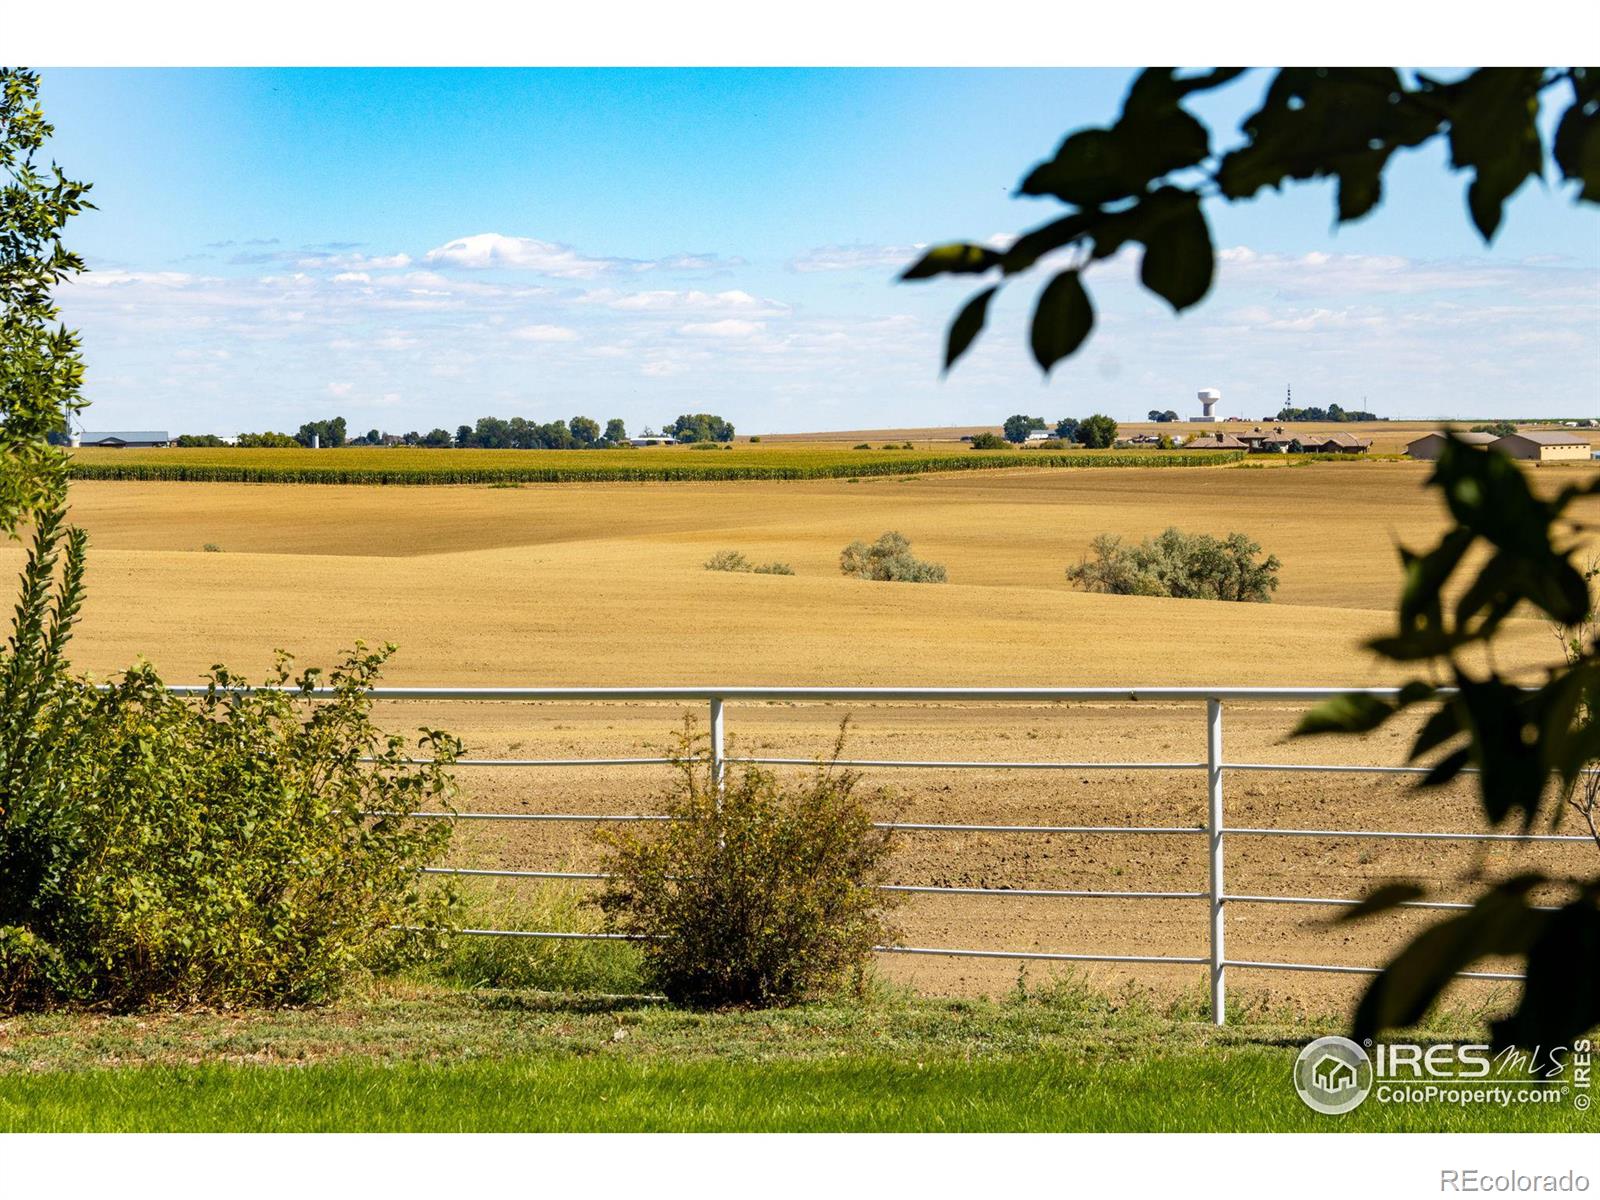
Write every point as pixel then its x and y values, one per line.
pixel 1215 830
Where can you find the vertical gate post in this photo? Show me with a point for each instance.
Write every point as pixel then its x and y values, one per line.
pixel 719 765
pixel 1214 828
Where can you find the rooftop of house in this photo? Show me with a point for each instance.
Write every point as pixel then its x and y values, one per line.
pixel 1551 437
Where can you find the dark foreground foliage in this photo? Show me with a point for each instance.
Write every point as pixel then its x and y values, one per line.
pixel 1530 746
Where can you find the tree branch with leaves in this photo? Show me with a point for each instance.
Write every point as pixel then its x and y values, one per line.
pixel 1147 178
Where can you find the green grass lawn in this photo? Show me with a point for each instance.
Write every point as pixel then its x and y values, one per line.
pixel 422 1057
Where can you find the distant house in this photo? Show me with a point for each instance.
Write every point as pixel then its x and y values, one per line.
pixel 1544 445
pixel 654 439
pixel 121 438
pixel 1215 441
pixel 1329 443
pixel 1040 435
pixel 1429 444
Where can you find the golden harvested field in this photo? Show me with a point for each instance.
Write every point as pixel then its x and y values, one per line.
pixel 602 584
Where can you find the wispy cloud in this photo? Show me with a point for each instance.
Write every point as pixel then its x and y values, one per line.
pixel 858 257
pixel 544 333
pixel 487 251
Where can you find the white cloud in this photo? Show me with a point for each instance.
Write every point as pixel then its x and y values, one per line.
pixel 544 333
pixel 485 250
pixel 732 327
pixel 733 301
pixel 340 389
pixel 856 257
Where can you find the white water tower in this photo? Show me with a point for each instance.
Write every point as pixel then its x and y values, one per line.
pixel 1209 399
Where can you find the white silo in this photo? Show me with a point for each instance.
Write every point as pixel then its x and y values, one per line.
pixel 1209 399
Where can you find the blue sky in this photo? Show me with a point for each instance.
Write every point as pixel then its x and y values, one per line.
pixel 419 248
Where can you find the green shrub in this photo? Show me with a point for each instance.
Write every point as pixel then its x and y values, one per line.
pixel 704 446
pixel 734 560
pixel 1194 566
pixel 212 548
pixel 1050 444
pixel 761 894
pixel 233 849
pixel 989 441
pixel 755 439
pixel 862 446
pixel 889 559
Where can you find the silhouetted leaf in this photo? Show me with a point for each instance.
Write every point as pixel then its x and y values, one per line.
pixel 1447 768
pixel 1577 142
pixel 1494 132
pixel 1158 87
pixel 1500 923
pixel 1361 184
pixel 1094 167
pixel 952 258
pixel 1062 319
pixel 967 325
pixel 1561 997
pixel 1316 122
pixel 1444 724
pixel 1382 899
pixel 1036 243
pixel 1351 712
pixel 1178 258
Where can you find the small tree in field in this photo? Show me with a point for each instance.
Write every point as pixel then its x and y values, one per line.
pixel 1097 432
pixel 1018 427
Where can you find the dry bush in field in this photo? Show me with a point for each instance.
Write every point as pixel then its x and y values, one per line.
pixel 756 893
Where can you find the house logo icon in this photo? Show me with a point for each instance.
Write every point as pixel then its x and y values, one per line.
pixel 1333 1075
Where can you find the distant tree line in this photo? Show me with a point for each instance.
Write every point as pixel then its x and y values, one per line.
pixel 1096 432
pixel 1332 413
pixel 1162 415
pixel 488 433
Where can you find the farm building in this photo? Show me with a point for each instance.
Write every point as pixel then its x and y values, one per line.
pixel 1429 444
pixel 120 438
pixel 654 439
pixel 1330 443
pixel 1545 445
pixel 1215 441
pixel 1040 435
pixel 1261 442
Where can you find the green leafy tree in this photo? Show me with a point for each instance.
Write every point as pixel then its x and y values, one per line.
pixel 41 370
pixel 1147 178
pixel 1097 432
pixel 585 430
pixel 1018 428
pixel 200 439
pixel 464 435
pixel 1067 429
pixel 989 441
pixel 267 441
pixel 439 438
pixel 1508 550
pixel 616 431
pixel 327 433
pixel 1499 429
pixel 700 427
